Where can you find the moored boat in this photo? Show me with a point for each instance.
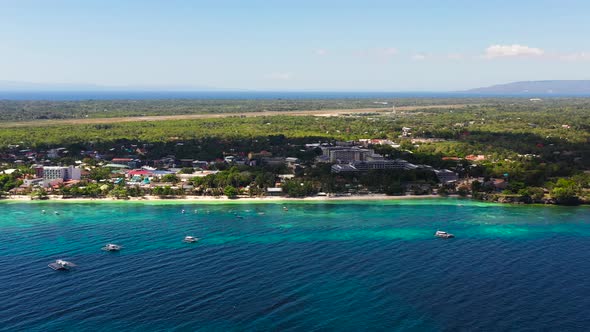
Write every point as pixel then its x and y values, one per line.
pixel 443 235
pixel 60 264
pixel 190 239
pixel 112 247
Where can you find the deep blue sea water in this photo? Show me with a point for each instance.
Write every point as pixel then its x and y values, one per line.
pixel 335 266
pixel 228 95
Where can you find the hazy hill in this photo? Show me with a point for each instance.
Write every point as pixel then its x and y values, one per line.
pixel 557 87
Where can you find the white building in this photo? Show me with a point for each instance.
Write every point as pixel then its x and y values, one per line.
pixel 61 172
pixel 276 191
pixel 336 154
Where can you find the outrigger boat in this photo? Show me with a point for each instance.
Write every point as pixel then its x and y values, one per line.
pixel 112 247
pixel 60 264
pixel 443 235
pixel 190 239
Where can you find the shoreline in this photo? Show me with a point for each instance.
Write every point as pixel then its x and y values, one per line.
pixel 353 199
pixel 223 199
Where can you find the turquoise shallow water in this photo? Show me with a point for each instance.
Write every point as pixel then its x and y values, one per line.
pixel 346 266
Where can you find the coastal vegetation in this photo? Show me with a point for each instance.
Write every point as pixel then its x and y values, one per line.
pixel 539 149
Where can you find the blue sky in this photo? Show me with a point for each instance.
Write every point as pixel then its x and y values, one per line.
pixel 391 45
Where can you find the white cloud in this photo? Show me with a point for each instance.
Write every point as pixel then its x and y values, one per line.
pixel 418 57
pixel 515 50
pixel 580 56
pixel 321 52
pixel 279 76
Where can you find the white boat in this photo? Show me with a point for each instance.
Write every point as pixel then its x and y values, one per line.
pixel 190 239
pixel 60 264
pixel 443 235
pixel 112 247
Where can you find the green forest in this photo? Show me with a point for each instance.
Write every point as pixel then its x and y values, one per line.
pixel 25 110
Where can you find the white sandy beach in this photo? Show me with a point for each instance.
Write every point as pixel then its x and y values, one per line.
pixel 205 199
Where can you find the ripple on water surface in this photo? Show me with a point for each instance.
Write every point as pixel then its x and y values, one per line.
pixel 318 266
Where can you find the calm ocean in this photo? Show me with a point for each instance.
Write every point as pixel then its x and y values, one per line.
pixel 221 95
pixel 254 95
pixel 339 266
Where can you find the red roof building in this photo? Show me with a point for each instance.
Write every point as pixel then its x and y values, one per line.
pixel 142 172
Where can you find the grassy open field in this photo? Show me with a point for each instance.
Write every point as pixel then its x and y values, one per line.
pixel 324 112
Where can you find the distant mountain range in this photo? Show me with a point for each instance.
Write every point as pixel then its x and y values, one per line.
pixel 555 87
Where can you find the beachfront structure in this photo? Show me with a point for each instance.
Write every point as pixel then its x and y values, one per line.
pixel 61 173
pixel 364 166
pixel 446 176
pixel 274 191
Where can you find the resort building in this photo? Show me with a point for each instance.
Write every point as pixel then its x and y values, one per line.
pixel 61 173
pixel 446 176
pixel 336 154
pixel 364 166
pixel 274 191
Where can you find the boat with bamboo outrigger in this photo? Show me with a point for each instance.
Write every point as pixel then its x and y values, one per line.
pixel 112 247
pixel 61 265
pixel 190 239
pixel 444 235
